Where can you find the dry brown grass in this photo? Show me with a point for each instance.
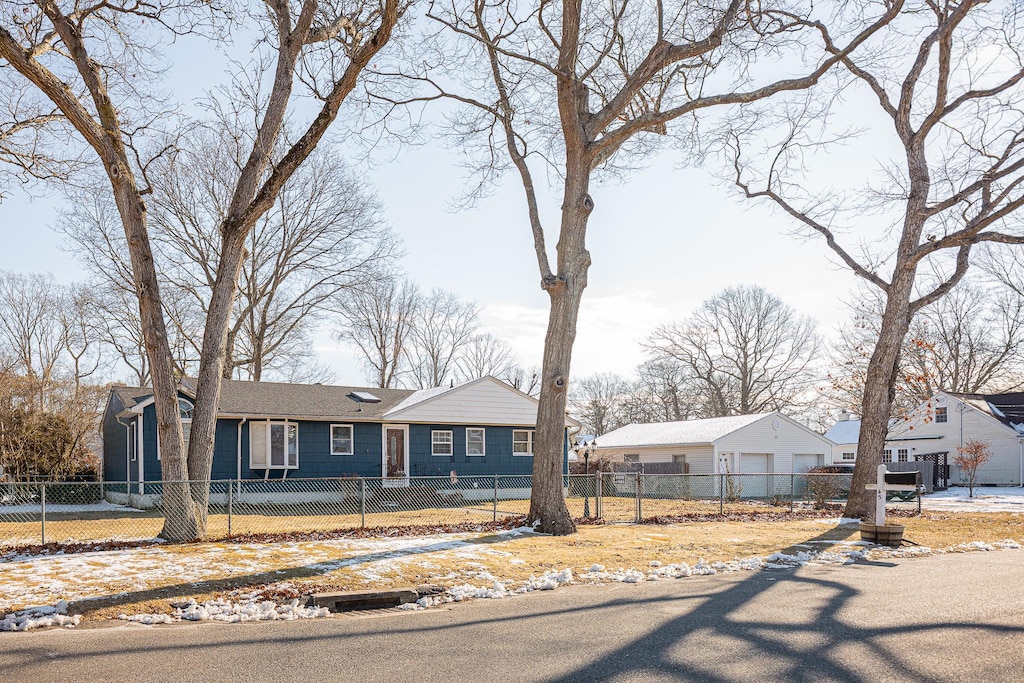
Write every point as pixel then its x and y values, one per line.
pixel 287 570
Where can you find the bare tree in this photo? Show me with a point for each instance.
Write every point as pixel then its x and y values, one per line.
pixel 745 350
pixel 377 319
pixel 30 327
pixel 442 327
pixel 486 354
pixel 947 80
pixel 83 57
pixel 662 392
pixel 322 234
pixel 526 380
pixel 575 88
pixel 596 401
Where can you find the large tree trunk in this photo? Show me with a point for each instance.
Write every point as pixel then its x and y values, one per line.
pixel 547 503
pixel 879 387
pixel 211 369
pixel 181 522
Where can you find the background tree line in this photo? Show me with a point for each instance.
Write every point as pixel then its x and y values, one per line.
pixel 745 351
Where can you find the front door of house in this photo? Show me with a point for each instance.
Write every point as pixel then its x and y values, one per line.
pixel 394 444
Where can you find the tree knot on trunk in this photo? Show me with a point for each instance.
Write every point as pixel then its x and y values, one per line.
pixel 552 281
pixel 559 382
pixel 588 203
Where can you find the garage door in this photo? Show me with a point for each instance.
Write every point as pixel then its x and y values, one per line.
pixel 755 464
pixel 803 461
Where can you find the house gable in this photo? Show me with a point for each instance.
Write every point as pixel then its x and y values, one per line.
pixel 484 401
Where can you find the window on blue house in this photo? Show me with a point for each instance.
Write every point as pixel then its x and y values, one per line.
pixel 522 441
pixel 474 441
pixel 441 442
pixel 185 409
pixel 273 445
pixel 341 440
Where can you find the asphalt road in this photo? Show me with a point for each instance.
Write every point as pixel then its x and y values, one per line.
pixel 950 618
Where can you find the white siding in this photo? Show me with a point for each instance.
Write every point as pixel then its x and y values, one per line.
pixel 700 458
pixel 1003 468
pixel 790 438
pixel 484 402
pixel 837 454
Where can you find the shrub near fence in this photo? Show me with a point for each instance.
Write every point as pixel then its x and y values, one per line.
pixel 33 513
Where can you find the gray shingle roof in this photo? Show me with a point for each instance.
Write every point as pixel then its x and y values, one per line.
pixel 278 399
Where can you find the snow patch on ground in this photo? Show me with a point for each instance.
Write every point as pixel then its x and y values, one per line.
pixel 986 499
pixel 232 612
pixel 40 617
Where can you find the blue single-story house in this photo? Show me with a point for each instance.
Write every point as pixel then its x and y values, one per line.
pixel 269 430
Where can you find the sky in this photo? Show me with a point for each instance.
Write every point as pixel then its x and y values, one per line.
pixel 661 242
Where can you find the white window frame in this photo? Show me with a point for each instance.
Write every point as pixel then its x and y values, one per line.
pixel 528 442
pixel 903 455
pixel 483 442
pixel 849 455
pixel 941 415
pixel 434 443
pixel 351 439
pixel 267 426
pixel 887 455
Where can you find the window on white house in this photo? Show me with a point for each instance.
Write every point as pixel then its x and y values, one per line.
pixel 849 456
pixel 341 440
pixel 941 415
pixel 901 454
pixel 475 441
pixel 631 457
pixel 887 455
pixel 522 441
pixel 273 445
pixel 441 442
pixel 185 408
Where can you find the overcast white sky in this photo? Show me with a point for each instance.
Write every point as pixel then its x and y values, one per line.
pixel 661 243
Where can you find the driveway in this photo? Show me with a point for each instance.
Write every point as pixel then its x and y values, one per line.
pixel 954 617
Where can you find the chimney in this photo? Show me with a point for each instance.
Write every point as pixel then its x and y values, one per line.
pixel 844 416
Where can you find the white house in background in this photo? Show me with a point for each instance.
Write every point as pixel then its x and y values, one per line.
pixel 766 442
pixel 844 434
pixel 946 421
pixel 942 424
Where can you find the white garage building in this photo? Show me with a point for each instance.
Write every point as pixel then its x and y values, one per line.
pixel 761 443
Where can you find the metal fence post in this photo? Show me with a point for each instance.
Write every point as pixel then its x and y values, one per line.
pixel 919 487
pixel 792 490
pixel 494 516
pixel 639 495
pixel 598 492
pixel 721 494
pixel 231 499
pixel 42 509
pixel 362 502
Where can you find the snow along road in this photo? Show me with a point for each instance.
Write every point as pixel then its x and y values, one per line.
pixel 955 617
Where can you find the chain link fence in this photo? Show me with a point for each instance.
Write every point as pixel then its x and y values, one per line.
pixel 48 512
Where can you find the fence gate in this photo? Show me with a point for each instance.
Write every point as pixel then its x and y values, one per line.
pixel 940 471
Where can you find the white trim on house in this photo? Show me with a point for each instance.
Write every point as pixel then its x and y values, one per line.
pixel 140 435
pixel 268 464
pixel 351 439
pixel 384 447
pixel 434 442
pixel 530 435
pixel 483 442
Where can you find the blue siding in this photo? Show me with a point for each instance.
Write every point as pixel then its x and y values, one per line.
pixel 315 460
pixel 114 442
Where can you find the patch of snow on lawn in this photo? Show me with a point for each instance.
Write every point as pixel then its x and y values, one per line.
pixel 986 499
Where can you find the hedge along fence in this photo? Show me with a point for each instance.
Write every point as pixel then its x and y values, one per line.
pixel 44 512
